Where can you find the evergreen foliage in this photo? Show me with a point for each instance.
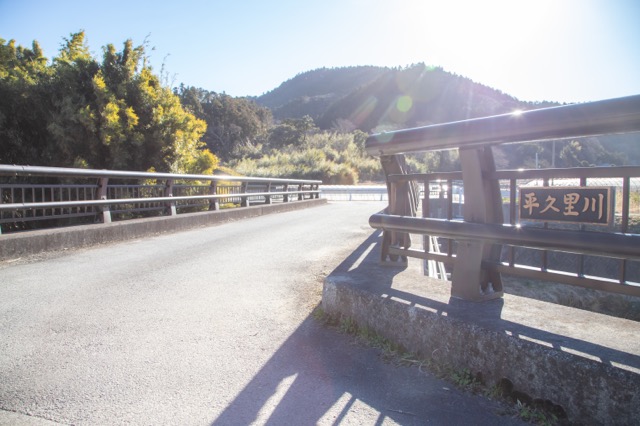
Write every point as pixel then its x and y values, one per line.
pixel 312 92
pixel 233 124
pixel 77 111
pixel 335 158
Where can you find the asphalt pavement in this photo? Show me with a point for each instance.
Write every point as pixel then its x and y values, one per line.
pixel 208 326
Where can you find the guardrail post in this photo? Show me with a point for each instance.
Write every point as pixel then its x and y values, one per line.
pixel 168 192
pixel 483 204
pixel 285 197
pixel 300 194
pixel 103 195
pixel 400 203
pixel 214 203
pixel 267 198
pixel 244 200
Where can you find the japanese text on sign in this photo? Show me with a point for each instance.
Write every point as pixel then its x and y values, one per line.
pixel 566 204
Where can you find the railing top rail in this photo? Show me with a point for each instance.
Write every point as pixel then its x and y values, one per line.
pixel 620 115
pixel 112 201
pixel 615 245
pixel 13 170
pixel 558 173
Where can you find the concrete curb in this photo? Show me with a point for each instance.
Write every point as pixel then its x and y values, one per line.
pixel 34 242
pixel 586 363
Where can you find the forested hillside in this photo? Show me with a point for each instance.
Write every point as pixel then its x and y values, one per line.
pixel 313 92
pixel 113 112
pixel 420 95
pixel 367 98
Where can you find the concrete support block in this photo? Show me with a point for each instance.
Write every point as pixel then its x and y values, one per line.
pixel 584 362
pixel 32 242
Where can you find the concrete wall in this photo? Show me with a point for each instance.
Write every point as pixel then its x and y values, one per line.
pixel 32 242
pixel 583 363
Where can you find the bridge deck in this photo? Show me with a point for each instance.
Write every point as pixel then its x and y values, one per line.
pixel 211 325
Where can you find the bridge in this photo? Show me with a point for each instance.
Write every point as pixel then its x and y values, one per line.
pixel 179 328
pixel 195 294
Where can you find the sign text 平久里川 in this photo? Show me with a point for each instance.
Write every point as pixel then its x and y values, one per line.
pixel 588 205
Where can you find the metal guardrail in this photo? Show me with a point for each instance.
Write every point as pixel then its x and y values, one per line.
pixel 28 194
pixel 569 121
pixel 484 245
pixel 354 192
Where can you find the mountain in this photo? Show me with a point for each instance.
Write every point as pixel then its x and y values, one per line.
pixel 313 92
pixel 369 98
pixel 374 99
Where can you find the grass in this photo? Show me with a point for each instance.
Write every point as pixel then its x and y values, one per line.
pixel 463 379
pixel 535 415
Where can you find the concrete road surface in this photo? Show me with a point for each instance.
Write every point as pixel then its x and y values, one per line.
pixel 210 326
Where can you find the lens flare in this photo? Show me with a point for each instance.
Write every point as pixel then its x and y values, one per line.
pixel 404 103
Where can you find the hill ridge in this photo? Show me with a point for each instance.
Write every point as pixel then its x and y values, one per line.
pixel 370 97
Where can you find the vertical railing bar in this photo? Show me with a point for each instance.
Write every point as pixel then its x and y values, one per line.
pixel 61 195
pixel 624 225
pixel 425 213
pixel 450 213
pixel 69 195
pixel 42 198
pixel 512 217
pixel 103 194
pixel 52 198
pixel 13 200
pixel 34 212
pixel 244 198
pixel 626 204
pixel 1 201
pixel 267 198
pixel 449 199
pixel 33 197
pixel 54 210
pixel 545 253
pixel 77 196
pixel 25 213
pixel 623 271
pixel 583 182
pixel 214 203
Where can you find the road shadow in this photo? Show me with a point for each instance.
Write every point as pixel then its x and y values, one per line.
pixel 321 376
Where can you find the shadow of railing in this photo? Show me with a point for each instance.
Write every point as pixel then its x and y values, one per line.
pixel 539 350
pixel 319 376
pixel 489 314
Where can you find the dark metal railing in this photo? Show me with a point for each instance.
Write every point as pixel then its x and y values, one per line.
pixel 492 238
pixel 32 193
pixel 568 121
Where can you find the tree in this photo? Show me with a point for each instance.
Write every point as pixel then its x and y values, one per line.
pixel 233 124
pixel 23 133
pixel 113 114
pixel 292 131
pixel 588 153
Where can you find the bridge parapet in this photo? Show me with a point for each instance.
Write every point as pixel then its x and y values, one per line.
pixel 564 225
pixel 51 194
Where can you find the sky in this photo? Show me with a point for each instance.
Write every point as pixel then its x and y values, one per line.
pixel 536 50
